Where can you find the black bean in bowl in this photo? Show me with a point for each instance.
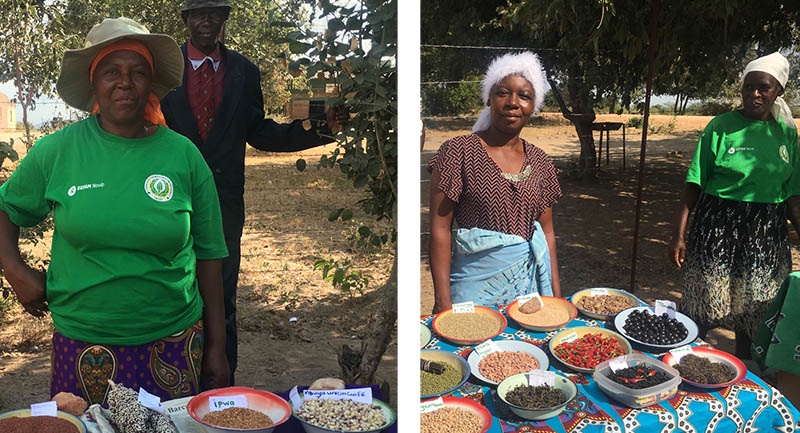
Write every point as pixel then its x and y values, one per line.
pixel 650 328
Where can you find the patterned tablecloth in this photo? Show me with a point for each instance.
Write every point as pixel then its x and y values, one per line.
pixel 748 406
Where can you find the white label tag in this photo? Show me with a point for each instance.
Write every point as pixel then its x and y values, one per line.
pixel 525 298
pixel 598 292
pixel 431 405
pixel 618 363
pixel 541 377
pixel 294 396
pixel 358 395
pixel 226 401
pixel 680 352
pixel 487 347
pixel 664 306
pixel 150 401
pixel 464 307
pixel 569 338
pixel 47 408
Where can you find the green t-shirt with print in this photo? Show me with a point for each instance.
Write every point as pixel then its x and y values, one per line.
pixel 131 217
pixel 747 160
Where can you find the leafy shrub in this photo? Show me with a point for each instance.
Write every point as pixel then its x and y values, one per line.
pixel 635 122
pixel 451 99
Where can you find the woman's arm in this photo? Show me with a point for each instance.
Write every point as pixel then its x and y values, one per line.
pixel 215 370
pixel 546 221
pixel 28 283
pixel 793 212
pixel 677 247
pixel 439 247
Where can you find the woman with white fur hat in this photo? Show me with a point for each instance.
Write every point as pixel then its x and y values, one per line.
pixel 499 189
pixel 741 186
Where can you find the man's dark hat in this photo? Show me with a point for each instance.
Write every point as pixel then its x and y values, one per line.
pixel 197 4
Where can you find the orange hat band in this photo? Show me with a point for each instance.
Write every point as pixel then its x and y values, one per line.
pixel 122 45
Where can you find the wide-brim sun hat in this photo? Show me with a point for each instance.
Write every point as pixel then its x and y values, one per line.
pixel 199 4
pixel 73 82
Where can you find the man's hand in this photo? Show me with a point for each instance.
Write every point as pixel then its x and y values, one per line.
pixel 336 117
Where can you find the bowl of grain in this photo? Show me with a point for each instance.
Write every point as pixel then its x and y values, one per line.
pixel 467 329
pixel 554 314
pixel 538 402
pixel 323 415
pixel 264 410
pixel 512 357
pixel 456 414
pixel 456 372
pixel 603 303
pixel 21 420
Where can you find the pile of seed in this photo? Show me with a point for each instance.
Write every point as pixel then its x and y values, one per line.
pixel 535 397
pixel 341 415
pixel 639 376
pixel 500 365
pixel 431 383
pixel 238 417
pixel 449 420
pixel 701 370
pixel 36 424
pixel 468 326
pixel 549 315
pixel 603 304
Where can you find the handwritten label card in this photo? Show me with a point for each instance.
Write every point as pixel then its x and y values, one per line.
pixel 664 306
pixel 48 408
pixel 223 402
pixel 569 338
pixel 464 307
pixel 680 352
pixel 598 292
pixel 618 363
pixel 358 395
pixel 541 377
pixel 432 405
pixel 487 347
pixel 521 300
pixel 150 401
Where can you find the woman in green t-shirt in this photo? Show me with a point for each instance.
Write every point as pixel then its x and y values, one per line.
pixel 134 283
pixel 741 186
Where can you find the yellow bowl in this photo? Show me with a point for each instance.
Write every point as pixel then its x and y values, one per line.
pixel 26 413
pixel 580 332
pixel 550 302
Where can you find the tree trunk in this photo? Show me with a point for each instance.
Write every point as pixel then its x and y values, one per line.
pixel 359 365
pixel 583 126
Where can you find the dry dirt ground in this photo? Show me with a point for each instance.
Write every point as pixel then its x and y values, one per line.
pixel 594 220
pixel 286 231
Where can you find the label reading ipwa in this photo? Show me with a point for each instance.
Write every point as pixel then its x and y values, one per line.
pixel 226 401
pixel 464 307
pixel 358 395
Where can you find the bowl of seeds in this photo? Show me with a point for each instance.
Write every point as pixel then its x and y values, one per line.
pixel 555 313
pixel 454 414
pixel 603 303
pixel 326 415
pixel 467 329
pixel 536 402
pixel 238 409
pixel 450 373
pixel 705 367
pixel 510 357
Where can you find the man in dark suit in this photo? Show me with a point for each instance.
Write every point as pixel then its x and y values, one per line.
pixel 220 107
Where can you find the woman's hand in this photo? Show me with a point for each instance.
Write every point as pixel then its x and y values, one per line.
pixel 677 251
pixel 29 287
pixel 215 370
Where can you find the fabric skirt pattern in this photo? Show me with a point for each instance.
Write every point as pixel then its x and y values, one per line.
pixel 168 368
pixel 737 256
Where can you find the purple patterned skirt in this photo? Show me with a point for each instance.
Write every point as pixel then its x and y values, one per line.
pixel 168 368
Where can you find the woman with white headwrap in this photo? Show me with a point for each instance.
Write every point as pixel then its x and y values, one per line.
pixel 499 189
pixel 740 185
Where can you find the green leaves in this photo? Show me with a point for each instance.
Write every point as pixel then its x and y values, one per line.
pixel 342 277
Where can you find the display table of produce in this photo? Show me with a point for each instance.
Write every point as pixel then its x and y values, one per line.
pixel 750 404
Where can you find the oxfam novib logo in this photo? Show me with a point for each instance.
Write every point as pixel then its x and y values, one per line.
pixel 158 187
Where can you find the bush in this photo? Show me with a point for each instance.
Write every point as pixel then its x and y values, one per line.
pixel 635 122
pixel 710 108
pixel 451 99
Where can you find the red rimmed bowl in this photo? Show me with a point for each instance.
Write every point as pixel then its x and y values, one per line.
pixel 272 405
pixel 492 320
pixel 713 355
pixel 582 359
pixel 468 405
pixel 538 320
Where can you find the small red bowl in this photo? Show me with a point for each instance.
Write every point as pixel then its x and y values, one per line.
pixel 265 402
pixel 471 406
pixel 713 355
pixel 485 312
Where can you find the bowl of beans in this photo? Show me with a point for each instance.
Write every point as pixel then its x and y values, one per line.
pixel 238 409
pixel 554 314
pixel 603 303
pixel 705 367
pixel 454 414
pixel 325 415
pixel 655 332
pixel 456 372
pixel 582 348
pixel 536 402
pixel 510 357
pixel 21 420
pixel 467 329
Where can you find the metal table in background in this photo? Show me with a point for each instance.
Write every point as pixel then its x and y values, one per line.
pixel 607 127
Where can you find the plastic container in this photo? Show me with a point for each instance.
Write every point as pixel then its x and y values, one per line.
pixel 638 398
